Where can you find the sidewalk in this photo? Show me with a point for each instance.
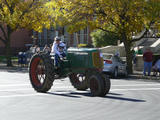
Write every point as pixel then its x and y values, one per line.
pixel 139 75
pixel 14 68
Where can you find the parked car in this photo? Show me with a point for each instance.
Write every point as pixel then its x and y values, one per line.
pixel 114 65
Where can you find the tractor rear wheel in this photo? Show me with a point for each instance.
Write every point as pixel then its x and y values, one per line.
pixel 40 72
pixel 78 81
pixel 99 85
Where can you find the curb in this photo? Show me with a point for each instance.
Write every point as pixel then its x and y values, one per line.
pixel 134 76
pixel 14 69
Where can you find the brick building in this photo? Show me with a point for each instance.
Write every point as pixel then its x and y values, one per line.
pixel 19 41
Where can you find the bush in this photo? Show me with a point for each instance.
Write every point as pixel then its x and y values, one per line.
pixel 101 38
pixel 3 58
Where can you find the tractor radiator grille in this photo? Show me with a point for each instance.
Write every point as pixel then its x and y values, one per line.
pixel 97 60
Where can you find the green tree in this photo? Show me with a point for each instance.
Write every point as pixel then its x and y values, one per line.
pixel 125 18
pixel 19 14
pixel 101 38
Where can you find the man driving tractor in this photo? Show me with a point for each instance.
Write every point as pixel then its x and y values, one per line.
pixel 58 48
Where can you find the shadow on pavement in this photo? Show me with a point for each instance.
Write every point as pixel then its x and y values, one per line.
pixel 87 94
pixel 124 99
pixel 114 93
pixel 62 94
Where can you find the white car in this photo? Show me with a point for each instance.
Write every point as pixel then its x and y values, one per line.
pixel 114 65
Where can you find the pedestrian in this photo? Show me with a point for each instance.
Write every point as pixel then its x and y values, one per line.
pixel 156 67
pixel 46 49
pixel 117 53
pixel 138 51
pixel 58 48
pixel 147 58
pixel 134 59
pixel 20 58
pixel 35 49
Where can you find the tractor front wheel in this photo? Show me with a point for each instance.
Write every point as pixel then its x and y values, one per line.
pixel 40 72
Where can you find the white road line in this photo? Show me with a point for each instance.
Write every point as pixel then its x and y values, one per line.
pixel 62 87
pixel 10 85
pixel 139 85
pixel 22 95
pixel 37 94
pixel 139 89
pixel 71 87
pixel 31 89
pixel 10 90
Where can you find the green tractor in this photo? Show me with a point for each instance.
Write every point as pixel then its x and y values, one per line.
pixel 83 66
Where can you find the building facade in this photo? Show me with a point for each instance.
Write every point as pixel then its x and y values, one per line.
pixel 72 40
pixel 20 41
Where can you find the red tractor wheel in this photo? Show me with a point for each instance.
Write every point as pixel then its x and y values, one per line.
pixel 78 81
pixel 40 70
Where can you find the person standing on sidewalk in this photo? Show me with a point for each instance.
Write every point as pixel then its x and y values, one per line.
pixel 147 58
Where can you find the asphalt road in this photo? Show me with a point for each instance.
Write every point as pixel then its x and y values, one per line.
pixel 128 100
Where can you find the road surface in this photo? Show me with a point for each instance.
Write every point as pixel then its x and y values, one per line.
pixel 128 99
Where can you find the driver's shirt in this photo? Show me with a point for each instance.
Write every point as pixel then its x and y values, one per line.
pixel 55 48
